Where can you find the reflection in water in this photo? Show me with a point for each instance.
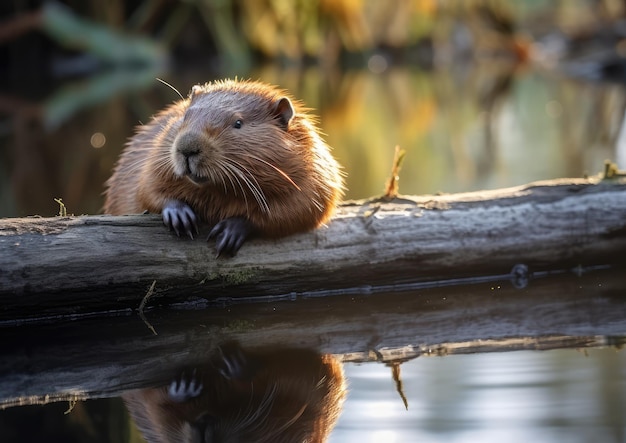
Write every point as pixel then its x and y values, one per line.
pixel 290 395
pixel 553 396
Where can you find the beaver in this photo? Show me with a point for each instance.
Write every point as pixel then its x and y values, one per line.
pixel 279 395
pixel 243 156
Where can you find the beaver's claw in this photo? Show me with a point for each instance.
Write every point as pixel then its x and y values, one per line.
pixel 180 218
pixel 230 234
pixel 185 387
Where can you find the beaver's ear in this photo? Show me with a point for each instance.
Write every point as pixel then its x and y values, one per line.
pixel 283 110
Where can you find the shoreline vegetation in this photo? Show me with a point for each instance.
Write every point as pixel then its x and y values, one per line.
pixel 233 35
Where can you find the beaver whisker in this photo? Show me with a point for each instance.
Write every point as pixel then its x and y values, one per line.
pixel 137 166
pixel 256 416
pixel 318 205
pixel 222 172
pixel 266 428
pixel 163 162
pixel 263 410
pixel 229 176
pixel 233 174
pixel 242 419
pixel 287 424
pixel 259 420
pixel 257 193
pixel 174 434
pixel 171 87
pixel 252 183
pixel 277 169
pixel 259 196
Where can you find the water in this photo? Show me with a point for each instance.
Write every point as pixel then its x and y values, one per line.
pixel 552 396
pixel 574 395
pixel 477 362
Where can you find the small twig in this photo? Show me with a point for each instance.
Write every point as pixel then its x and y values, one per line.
pixel 62 208
pixel 70 407
pixel 395 372
pixel 611 170
pixel 391 191
pixel 142 305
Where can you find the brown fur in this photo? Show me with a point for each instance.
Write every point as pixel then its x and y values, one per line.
pixel 297 193
pixel 294 395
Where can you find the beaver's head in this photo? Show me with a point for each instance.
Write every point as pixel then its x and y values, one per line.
pixel 245 137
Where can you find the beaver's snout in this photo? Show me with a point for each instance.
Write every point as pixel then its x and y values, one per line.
pixel 188 155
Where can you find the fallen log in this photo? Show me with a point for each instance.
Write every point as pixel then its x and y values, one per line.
pixel 72 265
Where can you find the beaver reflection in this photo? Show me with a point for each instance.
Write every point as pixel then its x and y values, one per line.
pixel 280 395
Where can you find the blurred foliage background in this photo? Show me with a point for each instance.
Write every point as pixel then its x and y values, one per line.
pixel 479 93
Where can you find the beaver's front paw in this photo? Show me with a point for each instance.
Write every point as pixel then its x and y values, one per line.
pixel 179 217
pixel 230 234
pixel 185 387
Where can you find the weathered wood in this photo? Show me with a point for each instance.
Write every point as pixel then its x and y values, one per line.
pixel 58 264
pixel 102 357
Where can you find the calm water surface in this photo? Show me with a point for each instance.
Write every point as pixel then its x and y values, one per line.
pixel 543 396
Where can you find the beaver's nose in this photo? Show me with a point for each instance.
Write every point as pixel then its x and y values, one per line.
pixel 189 144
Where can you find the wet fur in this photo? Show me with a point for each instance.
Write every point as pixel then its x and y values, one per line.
pixel 289 396
pixel 287 180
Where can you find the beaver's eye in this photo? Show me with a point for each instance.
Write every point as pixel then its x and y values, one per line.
pixel 238 124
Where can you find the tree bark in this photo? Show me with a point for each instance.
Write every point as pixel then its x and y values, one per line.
pixel 85 264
